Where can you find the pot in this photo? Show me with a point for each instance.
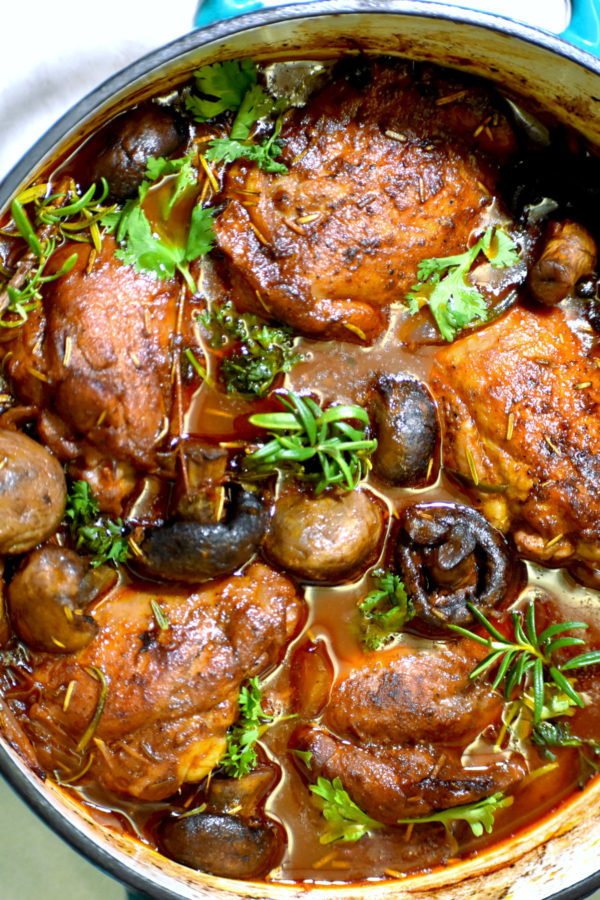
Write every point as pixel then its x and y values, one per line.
pixel 558 856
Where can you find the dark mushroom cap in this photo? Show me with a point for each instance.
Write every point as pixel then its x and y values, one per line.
pixel 448 556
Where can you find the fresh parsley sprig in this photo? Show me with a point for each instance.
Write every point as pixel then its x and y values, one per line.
pixel 232 86
pixel 385 609
pixel 264 350
pixel 527 662
pixel 145 249
pixel 240 757
pixel 479 815
pixel 93 533
pixel 345 820
pixel 443 283
pixel 319 445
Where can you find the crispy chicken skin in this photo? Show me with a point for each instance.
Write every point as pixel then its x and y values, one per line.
pixel 395 729
pixel 100 351
pixel 390 783
pixel 171 693
pixel 381 175
pixel 521 398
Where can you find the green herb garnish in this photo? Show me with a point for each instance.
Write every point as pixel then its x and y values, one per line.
pixel 479 815
pixel 97 535
pixel 159 615
pixel 318 445
pixel 222 87
pixel 443 284
pixel 240 757
pixel 527 661
pixel 345 820
pixel 145 249
pixel 265 351
pixel 232 86
pixel 99 675
pixel 384 610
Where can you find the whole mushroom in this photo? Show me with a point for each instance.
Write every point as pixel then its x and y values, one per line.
pixel 33 493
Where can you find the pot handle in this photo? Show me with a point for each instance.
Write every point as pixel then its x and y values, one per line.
pixel 584 27
pixel 583 30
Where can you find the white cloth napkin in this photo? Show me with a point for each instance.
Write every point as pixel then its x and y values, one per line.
pixel 55 51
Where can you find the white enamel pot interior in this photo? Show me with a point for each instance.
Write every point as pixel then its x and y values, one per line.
pixel 559 856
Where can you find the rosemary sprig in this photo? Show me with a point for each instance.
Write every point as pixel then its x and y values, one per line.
pixel 319 445
pixel 527 662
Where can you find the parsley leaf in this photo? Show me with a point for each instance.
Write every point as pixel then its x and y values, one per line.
pixel 479 815
pixel 240 757
pixel 226 83
pixel 264 350
pixel 147 251
pixel 225 150
pixel 102 538
pixel 384 610
pixel 443 285
pixel 345 820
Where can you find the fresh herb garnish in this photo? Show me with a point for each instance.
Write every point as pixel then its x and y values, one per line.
pixel 145 249
pixel 318 445
pixel 527 661
pixel 159 614
pixel 384 610
pixel 240 757
pixel 222 87
pixel 559 734
pixel 99 675
pixel 443 284
pixel 232 86
pixel 97 535
pixel 345 820
pixel 264 351
pixel 479 815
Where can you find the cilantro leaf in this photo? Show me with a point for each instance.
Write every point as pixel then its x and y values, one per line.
pixel 345 820
pixel 479 815
pixel 159 167
pixel 264 350
pixel 384 610
pixel 256 104
pixel 443 284
pixel 102 538
pixel 223 86
pixel 240 756
pixel 225 150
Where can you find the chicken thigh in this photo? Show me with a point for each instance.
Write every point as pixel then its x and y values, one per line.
pixel 386 167
pixel 160 699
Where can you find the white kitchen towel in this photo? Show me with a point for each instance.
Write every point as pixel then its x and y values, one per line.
pixel 54 52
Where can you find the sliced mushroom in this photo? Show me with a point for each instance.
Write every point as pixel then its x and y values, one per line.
pixel 48 597
pixel 149 130
pixel 569 253
pixel 196 551
pixel 223 845
pixel 33 493
pixel 407 431
pixel 448 556
pixel 328 538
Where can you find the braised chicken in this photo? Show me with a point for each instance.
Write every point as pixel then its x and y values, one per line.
pixel 519 410
pixel 398 725
pixel 96 360
pixel 199 465
pixel 385 168
pixel 171 692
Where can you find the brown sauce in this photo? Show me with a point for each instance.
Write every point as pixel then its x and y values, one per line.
pixel 335 371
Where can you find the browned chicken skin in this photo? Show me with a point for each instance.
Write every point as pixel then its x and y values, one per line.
pixel 100 354
pixel 171 693
pixel 519 402
pixel 390 783
pixel 380 177
pixel 396 729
